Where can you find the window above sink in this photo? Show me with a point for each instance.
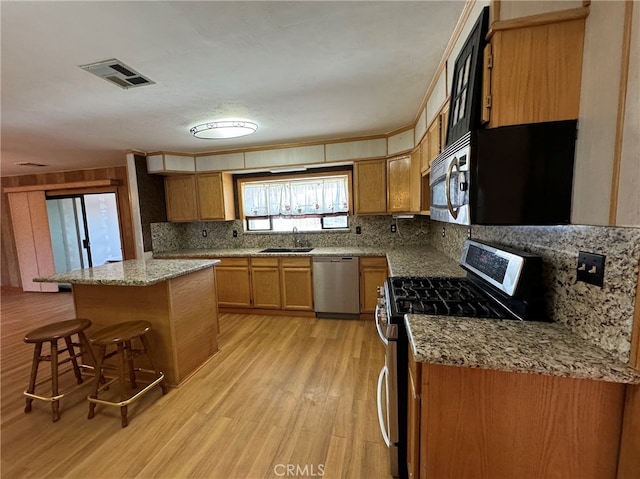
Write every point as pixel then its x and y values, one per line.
pixel 303 203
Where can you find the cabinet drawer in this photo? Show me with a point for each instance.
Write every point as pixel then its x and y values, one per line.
pixel 264 262
pixel 297 262
pixel 373 261
pixel 233 262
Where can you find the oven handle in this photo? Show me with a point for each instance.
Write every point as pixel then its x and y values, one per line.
pixel 447 187
pixel 383 338
pixel 383 427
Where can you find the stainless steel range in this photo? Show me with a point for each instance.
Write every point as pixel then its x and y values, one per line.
pixel 501 283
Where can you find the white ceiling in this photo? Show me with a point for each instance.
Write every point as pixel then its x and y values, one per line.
pixel 302 70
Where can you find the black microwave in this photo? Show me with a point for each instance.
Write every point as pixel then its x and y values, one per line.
pixel 512 175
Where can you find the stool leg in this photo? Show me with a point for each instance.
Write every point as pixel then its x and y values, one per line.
pixel 55 405
pixel 147 351
pixel 96 380
pixel 86 349
pixel 129 355
pixel 72 356
pixel 34 373
pixel 123 395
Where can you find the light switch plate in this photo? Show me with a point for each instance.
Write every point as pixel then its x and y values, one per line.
pixel 590 268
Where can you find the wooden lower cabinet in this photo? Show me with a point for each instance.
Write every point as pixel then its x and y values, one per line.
pixel 296 283
pixel 479 423
pixel 265 283
pixel 277 283
pixel 286 283
pixel 233 283
pixel 373 273
pixel 413 418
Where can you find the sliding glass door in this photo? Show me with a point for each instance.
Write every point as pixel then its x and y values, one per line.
pixel 85 231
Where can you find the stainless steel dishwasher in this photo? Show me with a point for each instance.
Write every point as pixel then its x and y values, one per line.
pixel 336 286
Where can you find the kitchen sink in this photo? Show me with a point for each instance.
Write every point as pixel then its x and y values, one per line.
pixel 286 250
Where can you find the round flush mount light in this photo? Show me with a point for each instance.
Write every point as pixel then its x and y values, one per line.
pixel 218 130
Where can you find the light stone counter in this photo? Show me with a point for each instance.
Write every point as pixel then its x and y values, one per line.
pixel 403 261
pixel 131 272
pixel 515 346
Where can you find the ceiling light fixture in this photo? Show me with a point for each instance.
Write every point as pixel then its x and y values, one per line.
pixel 218 130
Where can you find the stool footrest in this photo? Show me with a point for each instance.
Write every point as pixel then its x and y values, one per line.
pixel 129 400
pixel 61 395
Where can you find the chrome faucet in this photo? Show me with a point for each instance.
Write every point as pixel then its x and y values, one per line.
pixel 296 239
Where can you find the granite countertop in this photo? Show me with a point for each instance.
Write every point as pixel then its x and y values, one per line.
pixel 515 346
pixel 403 261
pixel 130 272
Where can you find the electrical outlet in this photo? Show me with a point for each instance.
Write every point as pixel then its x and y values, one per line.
pixel 394 228
pixel 590 268
pixel 235 233
pixel 358 230
pixel 204 233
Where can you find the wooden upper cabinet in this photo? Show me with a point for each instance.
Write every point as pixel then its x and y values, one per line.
pixel 535 73
pixel 444 121
pixel 415 181
pixel 181 197
pixel 206 196
pixel 370 185
pixel 399 184
pixel 215 196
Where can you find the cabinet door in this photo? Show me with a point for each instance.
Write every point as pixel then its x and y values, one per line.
pixel 415 182
pixel 433 139
pixel 232 282
pixel 536 74
pixel 399 184
pixel 215 196
pixel 296 284
pixel 373 273
pixel 413 418
pixel 265 283
pixel 370 181
pixel 444 122
pixel 181 197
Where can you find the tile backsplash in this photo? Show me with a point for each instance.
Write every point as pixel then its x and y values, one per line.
pixel 603 316
pixel 376 231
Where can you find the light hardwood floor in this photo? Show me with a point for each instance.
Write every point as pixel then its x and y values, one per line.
pixel 281 391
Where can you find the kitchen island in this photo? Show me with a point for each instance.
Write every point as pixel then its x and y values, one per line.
pixel 176 296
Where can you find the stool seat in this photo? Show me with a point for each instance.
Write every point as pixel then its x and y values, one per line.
pixel 52 333
pixel 121 336
pixel 120 332
pixel 58 330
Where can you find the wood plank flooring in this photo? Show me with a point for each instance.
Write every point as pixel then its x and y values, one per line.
pixel 284 397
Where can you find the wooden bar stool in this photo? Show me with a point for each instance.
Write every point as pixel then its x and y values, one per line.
pixel 51 333
pixel 121 336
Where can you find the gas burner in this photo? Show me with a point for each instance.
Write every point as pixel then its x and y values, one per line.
pixel 442 297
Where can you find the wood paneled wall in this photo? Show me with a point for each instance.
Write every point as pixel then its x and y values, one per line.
pixel 10 270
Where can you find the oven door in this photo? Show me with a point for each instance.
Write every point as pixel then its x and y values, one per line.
pixel 450 183
pixel 387 391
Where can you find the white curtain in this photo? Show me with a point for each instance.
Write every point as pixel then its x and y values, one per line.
pixel 310 196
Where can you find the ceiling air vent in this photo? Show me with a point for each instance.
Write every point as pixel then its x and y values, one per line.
pixel 118 73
